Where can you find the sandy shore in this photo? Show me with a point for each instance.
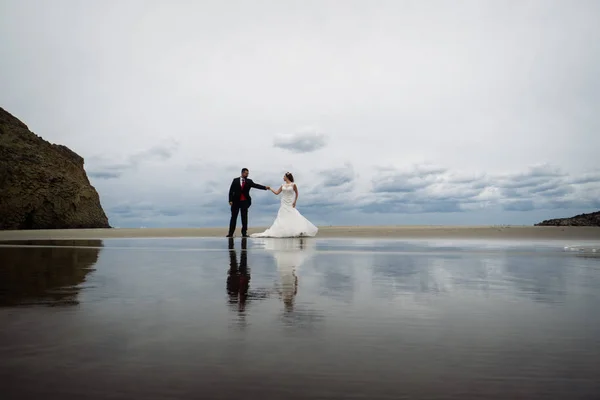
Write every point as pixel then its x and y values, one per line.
pixel 416 232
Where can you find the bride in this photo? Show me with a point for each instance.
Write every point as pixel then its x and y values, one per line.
pixel 289 221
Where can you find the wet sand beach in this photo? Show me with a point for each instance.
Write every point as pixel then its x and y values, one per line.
pixel 339 317
pixel 408 231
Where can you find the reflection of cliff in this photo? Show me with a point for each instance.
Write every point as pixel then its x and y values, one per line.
pixel 45 275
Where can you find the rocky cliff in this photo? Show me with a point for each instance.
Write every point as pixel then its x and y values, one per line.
pixel 43 185
pixel 591 219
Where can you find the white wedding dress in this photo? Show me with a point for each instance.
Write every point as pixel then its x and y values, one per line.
pixel 289 221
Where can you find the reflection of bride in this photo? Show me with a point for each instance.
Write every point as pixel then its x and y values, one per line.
pixel 289 254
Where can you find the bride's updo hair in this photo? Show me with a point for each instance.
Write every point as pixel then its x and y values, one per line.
pixel 289 176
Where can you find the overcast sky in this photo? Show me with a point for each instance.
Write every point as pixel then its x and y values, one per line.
pixel 387 112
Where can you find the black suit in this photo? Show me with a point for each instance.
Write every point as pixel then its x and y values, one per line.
pixel 237 204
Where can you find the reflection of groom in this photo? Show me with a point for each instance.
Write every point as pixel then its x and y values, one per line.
pixel 238 276
pixel 240 200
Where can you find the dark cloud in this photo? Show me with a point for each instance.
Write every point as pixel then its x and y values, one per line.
pixel 333 191
pixel 106 107
pixel 592 204
pixel 556 191
pixel 480 184
pixel 411 205
pixel 522 182
pixel 512 193
pixel 441 206
pixel 323 207
pixel 535 176
pixel 478 181
pixel 540 187
pixel 435 190
pixel 547 187
pixel 335 177
pixel 593 177
pixel 426 170
pixel 518 205
pixel 337 196
pixel 543 170
pixel 399 184
pixel 172 211
pixel 167 213
pixel 101 168
pixel 159 153
pixel 302 142
pixel 419 177
pixel 104 174
pixel 135 210
pixel 422 189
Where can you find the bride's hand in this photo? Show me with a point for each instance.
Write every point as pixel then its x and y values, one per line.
pixel 294 205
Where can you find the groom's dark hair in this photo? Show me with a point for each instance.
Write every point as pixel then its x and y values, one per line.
pixel 244 170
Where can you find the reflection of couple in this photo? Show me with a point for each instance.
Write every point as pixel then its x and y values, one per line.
pixel 289 254
pixel 289 221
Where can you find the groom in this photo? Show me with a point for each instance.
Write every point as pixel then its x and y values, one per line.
pixel 240 200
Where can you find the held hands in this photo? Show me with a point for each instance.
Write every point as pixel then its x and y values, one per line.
pixel 267 187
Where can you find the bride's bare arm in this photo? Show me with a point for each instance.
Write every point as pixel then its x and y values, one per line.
pixel 296 191
pixel 278 190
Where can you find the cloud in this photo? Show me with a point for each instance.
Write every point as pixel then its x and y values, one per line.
pixel 106 168
pixel 589 177
pixel 306 141
pixel 425 189
pixel 518 205
pixel 334 177
pixel 407 180
pixel 158 153
pixel 104 174
pixel 194 71
pixel 413 204
pixel 182 213
pixel 326 201
pixel 535 178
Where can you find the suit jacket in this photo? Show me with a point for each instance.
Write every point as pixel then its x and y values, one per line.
pixel 235 191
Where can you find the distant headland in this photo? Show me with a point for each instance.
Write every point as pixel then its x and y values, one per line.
pixel 591 219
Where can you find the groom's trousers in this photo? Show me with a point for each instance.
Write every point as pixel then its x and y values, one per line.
pixel 237 208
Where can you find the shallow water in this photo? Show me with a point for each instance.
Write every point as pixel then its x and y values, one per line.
pixel 299 319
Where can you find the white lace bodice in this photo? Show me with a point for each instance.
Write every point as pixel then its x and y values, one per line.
pixel 287 194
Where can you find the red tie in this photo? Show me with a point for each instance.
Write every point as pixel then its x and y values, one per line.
pixel 242 197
